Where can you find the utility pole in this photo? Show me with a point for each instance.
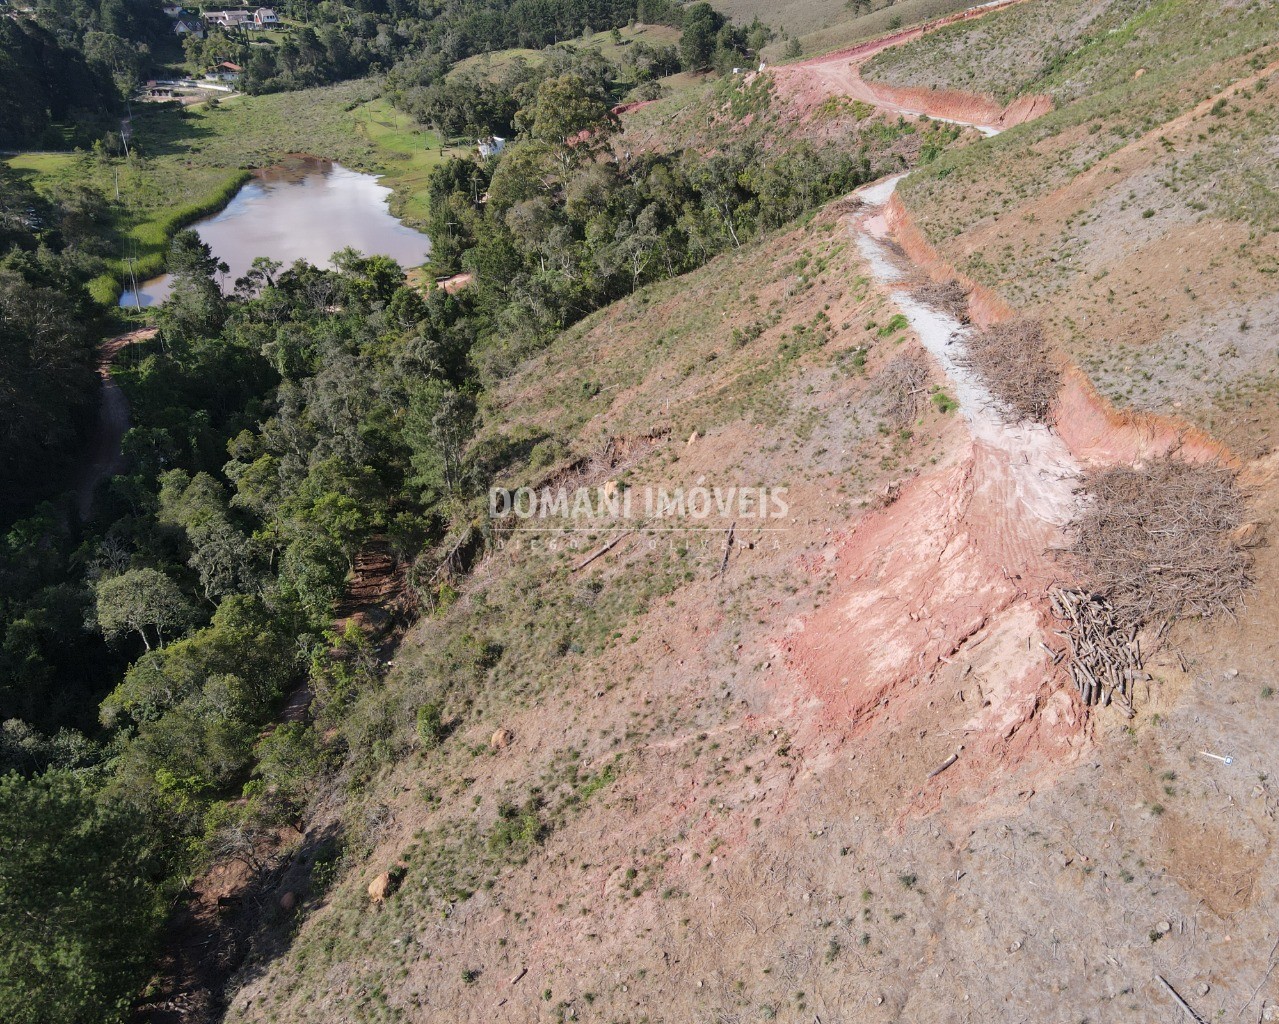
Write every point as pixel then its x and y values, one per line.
pixel 133 276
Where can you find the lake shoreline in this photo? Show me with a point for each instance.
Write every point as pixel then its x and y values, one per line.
pixel 154 264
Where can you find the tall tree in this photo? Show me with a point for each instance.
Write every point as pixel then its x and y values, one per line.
pixel 196 307
pixel 440 422
pixel 141 601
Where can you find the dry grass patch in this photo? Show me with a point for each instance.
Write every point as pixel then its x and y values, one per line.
pixel 1015 362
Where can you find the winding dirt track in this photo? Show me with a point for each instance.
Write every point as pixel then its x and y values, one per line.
pixel 809 83
pixel 105 458
pixel 954 572
pixel 944 592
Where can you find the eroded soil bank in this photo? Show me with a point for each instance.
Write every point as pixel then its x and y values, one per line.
pixel 808 84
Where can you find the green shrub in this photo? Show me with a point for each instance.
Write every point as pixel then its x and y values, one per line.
pixel 105 289
pixel 518 829
pixel 430 725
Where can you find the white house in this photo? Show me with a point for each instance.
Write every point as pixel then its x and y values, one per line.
pixel 229 19
pixel 188 27
pixel 225 72
pixel 491 146
pixel 264 17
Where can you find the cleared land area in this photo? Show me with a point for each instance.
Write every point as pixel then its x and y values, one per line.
pixel 831 771
pixel 842 765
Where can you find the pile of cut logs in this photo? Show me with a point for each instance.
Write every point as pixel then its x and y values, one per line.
pixel 1105 654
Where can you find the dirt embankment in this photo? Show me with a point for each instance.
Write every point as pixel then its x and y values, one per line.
pixel 1094 430
pixel 808 84
pixel 938 615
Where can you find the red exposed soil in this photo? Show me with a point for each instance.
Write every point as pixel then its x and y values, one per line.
pixel 375 595
pixel 455 283
pixel 204 945
pixel 626 108
pixel 1093 429
pixel 1097 432
pixel 809 83
pixel 947 587
pixel 953 562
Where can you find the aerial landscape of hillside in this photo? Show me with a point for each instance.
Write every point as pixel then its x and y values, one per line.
pixel 639 511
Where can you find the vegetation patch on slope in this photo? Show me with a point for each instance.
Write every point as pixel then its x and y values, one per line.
pixel 1007 53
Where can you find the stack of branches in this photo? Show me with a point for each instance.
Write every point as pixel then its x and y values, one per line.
pixel 1151 545
pixel 847 204
pixel 949 297
pixel 1157 541
pixel 902 384
pixel 1016 363
pixel 1105 654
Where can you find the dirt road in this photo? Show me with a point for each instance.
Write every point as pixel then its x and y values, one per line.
pixel 958 568
pixel 955 570
pixel 809 83
pixel 105 458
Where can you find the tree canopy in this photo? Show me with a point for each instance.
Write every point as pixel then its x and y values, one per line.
pixel 78 901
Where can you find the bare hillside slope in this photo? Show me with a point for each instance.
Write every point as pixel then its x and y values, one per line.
pixel 1139 219
pixel 830 765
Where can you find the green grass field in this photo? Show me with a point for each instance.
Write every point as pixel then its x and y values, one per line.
pixel 654 35
pixel 189 163
pixel 406 152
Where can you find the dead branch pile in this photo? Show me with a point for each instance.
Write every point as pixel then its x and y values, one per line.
pixel 901 384
pixel 1105 655
pixel 847 204
pixel 1015 362
pixel 1156 541
pixel 949 297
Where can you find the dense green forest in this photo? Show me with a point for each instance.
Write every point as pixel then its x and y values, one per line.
pixel 71 64
pixel 417 44
pixel 67 64
pixel 44 81
pixel 48 331
pixel 276 432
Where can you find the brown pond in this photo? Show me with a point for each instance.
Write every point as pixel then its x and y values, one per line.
pixel 300 209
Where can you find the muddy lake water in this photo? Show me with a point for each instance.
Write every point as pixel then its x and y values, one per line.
pixel 300 209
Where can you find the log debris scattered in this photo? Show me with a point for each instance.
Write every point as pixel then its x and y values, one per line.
pixel 604 550
pixel 728 548
pixel 1104 649
pixel 1152 544
pixel 943 766
pixel 1185 1006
